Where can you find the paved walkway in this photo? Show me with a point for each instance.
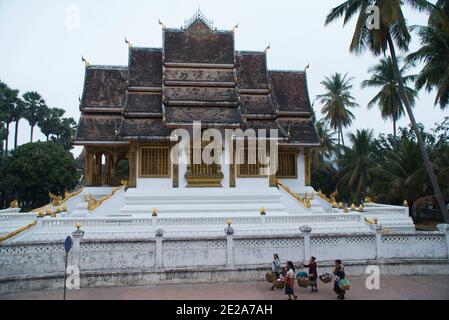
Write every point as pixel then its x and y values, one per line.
pixel 392 288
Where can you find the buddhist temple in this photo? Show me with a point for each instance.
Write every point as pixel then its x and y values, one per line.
pixel 128 112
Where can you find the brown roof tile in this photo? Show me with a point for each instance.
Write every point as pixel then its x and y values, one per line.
pixel 289 90
pixel 207 115
pixel 143 129
pixel 145 67
pixel 251 70
pixel 143 103
pixel 198 44
pixel 104 87
pixel 98 128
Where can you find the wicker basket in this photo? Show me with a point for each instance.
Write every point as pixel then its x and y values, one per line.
pixel 326 278
pixel 270 277
pixel 303 282
pixel 280 284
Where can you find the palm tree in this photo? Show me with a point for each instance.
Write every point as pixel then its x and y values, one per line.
pixel 356 165
pixel 392 31
pixel 326 136
pixel 18 112
pixel 388 99
pixel 434 52
pixel 50 121
pixel 337 100
pixel 11 108
pixel 35 107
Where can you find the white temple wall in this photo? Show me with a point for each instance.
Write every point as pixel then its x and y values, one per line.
pixel 34 266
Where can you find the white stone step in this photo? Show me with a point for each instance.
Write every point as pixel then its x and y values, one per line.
pixel 203 202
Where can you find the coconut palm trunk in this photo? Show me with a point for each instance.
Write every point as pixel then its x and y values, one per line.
pixel 16 132
pixel 425 156
pixel 31 134
pixel 7 136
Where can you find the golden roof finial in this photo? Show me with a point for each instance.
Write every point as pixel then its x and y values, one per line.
pixel 267 48
pixel 405 204
pixel 307 67
pixel 161 23
pixel 128 43
pixel 86 63
pixel 154 212
pixel 263 211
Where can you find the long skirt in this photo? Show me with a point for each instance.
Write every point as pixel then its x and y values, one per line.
pixel 289 290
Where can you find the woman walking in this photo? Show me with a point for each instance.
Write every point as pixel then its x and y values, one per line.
pixel 313 274
pixel 290 281
pixel 339 273
pixel 276 268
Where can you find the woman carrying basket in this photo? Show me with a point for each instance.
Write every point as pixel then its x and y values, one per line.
pixel 290 281
pixel 313 274
pixel 276 268
pixel 339 273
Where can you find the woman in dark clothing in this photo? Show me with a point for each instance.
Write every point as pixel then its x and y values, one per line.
pixel 339 273
pixel 290 281
pixel 313 274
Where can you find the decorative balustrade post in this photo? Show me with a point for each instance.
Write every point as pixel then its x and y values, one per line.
pixel 77 235
pixel 306 230
pixel 159 248
pixel 445 229
pixel 229 246
pixel 378 230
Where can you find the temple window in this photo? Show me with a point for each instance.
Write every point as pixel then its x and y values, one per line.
pixel 250 168
pixel 287 167
pixel 154 162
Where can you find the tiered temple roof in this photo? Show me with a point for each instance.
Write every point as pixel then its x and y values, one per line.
pixel 196 76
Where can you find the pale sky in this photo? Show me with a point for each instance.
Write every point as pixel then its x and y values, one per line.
pixel 41 46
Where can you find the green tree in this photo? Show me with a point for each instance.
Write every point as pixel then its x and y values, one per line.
pixel 34 109
pixel 388 99
pixel 327 140
pixel 392 31
pixel 434 53
pixel 50 121
pixel 10 109
pixel 64 131
pixel 34 169
pixel 356 166
pixel 336 103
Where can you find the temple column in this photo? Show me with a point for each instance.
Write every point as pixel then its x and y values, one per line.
pixel 132 166
pixel 89 168
pixel 113 169
pixel 97 170
pixel 231 157
pixel 107 172
pixel 307 166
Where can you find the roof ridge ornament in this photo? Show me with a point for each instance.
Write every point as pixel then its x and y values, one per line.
pixel 86 63
pixel 130 45
pixel 267 48
pixel 161 23
pixel 199 16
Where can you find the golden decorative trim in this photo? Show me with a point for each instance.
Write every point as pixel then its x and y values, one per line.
pixel 16 232
pixel 67 196
pixel 14 204
pixel 93 203
pixel 306 201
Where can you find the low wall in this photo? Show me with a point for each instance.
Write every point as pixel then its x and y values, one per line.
pixel 36 266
